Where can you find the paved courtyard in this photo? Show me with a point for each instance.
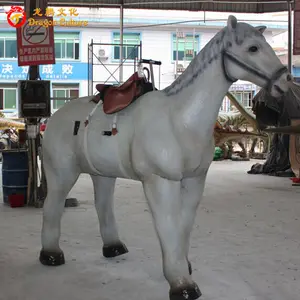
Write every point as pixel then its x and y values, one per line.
pixel 245 244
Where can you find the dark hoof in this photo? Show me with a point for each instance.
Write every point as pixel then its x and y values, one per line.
pixel 52 258
pixel 190 267
pixel 114 250
pixel 190 292
pixel 71 202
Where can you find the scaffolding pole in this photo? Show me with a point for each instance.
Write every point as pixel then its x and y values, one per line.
pixel 176 64
pixel 90 68
pixel 121 42
pixel 95 60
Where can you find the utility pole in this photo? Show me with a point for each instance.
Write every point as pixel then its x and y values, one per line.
pixel 32 124
pixel 290 51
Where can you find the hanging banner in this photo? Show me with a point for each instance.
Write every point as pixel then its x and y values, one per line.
pixel 296 47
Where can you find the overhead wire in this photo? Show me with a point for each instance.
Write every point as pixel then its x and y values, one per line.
pixel 203 21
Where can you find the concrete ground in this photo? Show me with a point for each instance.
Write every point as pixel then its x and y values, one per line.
pixel 245 244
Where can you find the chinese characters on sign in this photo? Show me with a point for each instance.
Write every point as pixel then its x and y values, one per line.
pixel 296 50
pixel 242 87
pixel 50 12
pixel 36 54
pixel 10 71
pixel 35 45
pixel 48 71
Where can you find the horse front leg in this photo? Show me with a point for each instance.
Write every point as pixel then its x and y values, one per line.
pixel 191 194
pixel 170 220
pixel 104 199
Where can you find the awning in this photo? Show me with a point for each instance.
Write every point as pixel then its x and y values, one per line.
pixel 234 6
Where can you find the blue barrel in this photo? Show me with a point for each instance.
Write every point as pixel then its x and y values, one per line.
pixel 14 173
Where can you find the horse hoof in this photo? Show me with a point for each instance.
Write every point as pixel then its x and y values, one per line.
pixel 190 267
pixel 190 292
pixel 114 250
pixel 48 258
pixel 71 202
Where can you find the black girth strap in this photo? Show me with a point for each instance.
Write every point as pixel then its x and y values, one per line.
pixel 237 61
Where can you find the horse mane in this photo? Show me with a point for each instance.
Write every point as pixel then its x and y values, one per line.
pixel 223 40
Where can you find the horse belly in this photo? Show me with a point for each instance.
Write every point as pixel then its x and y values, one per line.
pixel 87 147
pixel 111 155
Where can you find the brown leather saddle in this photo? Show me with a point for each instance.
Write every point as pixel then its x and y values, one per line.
pixel 117 98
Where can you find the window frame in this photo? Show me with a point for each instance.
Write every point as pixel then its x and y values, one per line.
pixel 64 36
pixel 4 47
pixel 173 48
pixel 65 39
pixel 117 44
pixel 243 93
pixel 67 88
pixel 4 88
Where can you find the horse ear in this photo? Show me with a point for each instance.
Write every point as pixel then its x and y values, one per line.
pixel 261 29
pixel 232 22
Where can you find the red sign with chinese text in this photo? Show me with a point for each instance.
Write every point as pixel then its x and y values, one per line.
pixel 36 42
pixel 296 46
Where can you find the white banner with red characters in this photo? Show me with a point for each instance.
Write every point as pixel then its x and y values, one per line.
pixel 36 42
pixel 296 47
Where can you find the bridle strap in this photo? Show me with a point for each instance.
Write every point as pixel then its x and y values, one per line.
pixel 227 75
pixel 237 61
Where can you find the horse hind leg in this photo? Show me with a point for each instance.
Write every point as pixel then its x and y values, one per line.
pixel 59 183
pixel 104 198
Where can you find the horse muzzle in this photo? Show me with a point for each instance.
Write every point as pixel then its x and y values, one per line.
pixel 280 84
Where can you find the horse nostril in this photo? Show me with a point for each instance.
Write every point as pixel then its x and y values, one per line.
pixel 289 77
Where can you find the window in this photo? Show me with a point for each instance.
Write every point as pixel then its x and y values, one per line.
pixel 66 46
pixel 244 97
pixel 8 45
pixel 8 98
pixel 64 91
pixel 185 45
pixel 129 52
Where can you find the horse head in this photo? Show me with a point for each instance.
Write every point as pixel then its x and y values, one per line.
pixel 248 56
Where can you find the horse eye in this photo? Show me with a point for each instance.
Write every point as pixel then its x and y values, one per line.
pixel 253 49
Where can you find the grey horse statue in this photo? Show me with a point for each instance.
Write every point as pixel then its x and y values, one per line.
pixel 164 139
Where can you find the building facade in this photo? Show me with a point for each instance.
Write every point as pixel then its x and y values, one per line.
pixel 154 36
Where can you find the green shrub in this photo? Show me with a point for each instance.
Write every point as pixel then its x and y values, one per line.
pixel 218 153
